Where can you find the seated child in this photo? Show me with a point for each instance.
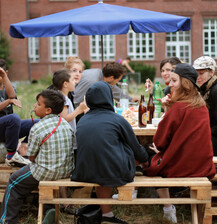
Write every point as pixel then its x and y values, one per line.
pixel 49 161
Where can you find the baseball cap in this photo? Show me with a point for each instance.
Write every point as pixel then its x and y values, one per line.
pixel 187 71
pixel 204 62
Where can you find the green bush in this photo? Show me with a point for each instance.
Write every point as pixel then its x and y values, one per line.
pixel 87 64
pixel 147 71
pixel 5 48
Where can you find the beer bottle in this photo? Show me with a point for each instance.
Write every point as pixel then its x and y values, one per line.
pixel 150 108
pixel 142 113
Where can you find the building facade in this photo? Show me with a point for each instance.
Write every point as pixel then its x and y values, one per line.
pixel 34 58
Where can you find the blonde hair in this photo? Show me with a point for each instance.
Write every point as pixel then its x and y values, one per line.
pixel 70 61
pixel 187 92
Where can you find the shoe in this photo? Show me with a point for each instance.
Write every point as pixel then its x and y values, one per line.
pixel 114 219
pixel 134 195
pixel 17 160
pixel 69 209
pixel 49 217
pixel 170 214
pixel 139 171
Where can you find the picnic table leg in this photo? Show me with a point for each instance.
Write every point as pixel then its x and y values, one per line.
pixel 57 210
pixel 194 208
pixel 40 213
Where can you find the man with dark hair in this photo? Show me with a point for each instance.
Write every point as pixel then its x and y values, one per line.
pixel 49 160
pixel 111 74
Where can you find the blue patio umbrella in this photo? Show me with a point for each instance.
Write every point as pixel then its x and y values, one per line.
pixel 100 19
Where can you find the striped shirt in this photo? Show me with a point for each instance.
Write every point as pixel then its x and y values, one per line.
pixel 54 158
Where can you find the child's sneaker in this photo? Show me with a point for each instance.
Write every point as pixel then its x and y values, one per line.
pixel 135 192
pixel 17 160
pixel 170 214
pixel 114 219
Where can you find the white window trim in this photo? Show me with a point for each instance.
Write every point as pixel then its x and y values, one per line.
pixel 62 57
pixel 106 47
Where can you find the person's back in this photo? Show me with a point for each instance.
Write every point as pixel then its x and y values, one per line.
pixel 106 148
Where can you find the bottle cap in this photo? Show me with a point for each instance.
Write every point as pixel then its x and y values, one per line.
pixel 124 80
pixel 157 82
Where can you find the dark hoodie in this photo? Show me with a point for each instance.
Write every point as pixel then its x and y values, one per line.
pixel 107 145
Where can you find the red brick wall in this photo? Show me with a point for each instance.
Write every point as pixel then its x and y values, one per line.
pixel 14 11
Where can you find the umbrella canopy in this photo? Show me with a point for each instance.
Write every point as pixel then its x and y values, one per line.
pixel 100 19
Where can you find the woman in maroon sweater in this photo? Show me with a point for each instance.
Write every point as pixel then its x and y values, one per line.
pixel 183 138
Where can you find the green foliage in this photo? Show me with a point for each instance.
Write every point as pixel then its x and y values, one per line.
pixel 87 64
pixel 147 71
pixel 5 48
pixel 47 80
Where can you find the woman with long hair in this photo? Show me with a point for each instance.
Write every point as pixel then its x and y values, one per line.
pixel 183 139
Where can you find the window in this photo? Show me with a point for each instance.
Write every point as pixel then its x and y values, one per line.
pixel 210 37
pixel 62 47
pixel 140 45
pixel 108 47
pixel 179 44
pixel 33 49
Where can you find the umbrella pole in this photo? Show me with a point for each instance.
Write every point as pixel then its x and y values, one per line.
pixel 102 51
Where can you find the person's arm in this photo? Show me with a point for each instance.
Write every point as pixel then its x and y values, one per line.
pixel 168 126
pixel 130 139
pixel 70 116
pixel 6 102
pixel 125 63
pixel 7 84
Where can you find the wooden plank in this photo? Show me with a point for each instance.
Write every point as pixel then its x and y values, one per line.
pixel 213 193
pixel 46 193
pixel 139 201
pixel 212 211
pixel 125 193
pixel 150 130
pixel 139 182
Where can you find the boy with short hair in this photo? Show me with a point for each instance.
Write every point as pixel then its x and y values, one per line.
pixel 49 160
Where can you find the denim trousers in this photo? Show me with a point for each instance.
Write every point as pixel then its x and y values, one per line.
pixel 12 128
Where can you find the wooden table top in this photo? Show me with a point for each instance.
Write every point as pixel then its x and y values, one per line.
pixel 149 130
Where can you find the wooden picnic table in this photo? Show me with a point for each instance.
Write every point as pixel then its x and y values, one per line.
pixel 150 130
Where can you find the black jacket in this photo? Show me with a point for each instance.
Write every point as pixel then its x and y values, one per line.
pixel 107 145
pixel 211 102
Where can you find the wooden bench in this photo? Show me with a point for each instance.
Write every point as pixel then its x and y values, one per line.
pixel 200 194
pixel 5 172
pixel 211 209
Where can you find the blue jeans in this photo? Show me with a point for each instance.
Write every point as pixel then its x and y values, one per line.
pixel 12 128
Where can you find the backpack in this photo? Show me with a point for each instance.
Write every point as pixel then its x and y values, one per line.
pixel 88 214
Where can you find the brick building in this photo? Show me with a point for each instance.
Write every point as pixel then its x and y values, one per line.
pixel 48 54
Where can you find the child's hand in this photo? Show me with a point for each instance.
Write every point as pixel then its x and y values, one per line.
pixel 2 73
pixel 16 102
pixel 165 100
pixel 154 148
pixel 83 106
pixel 149 85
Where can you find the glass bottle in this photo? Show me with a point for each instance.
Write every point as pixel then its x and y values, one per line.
pixel 142 113
pixel 124 101
pixel 150 108
pixel 157 95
